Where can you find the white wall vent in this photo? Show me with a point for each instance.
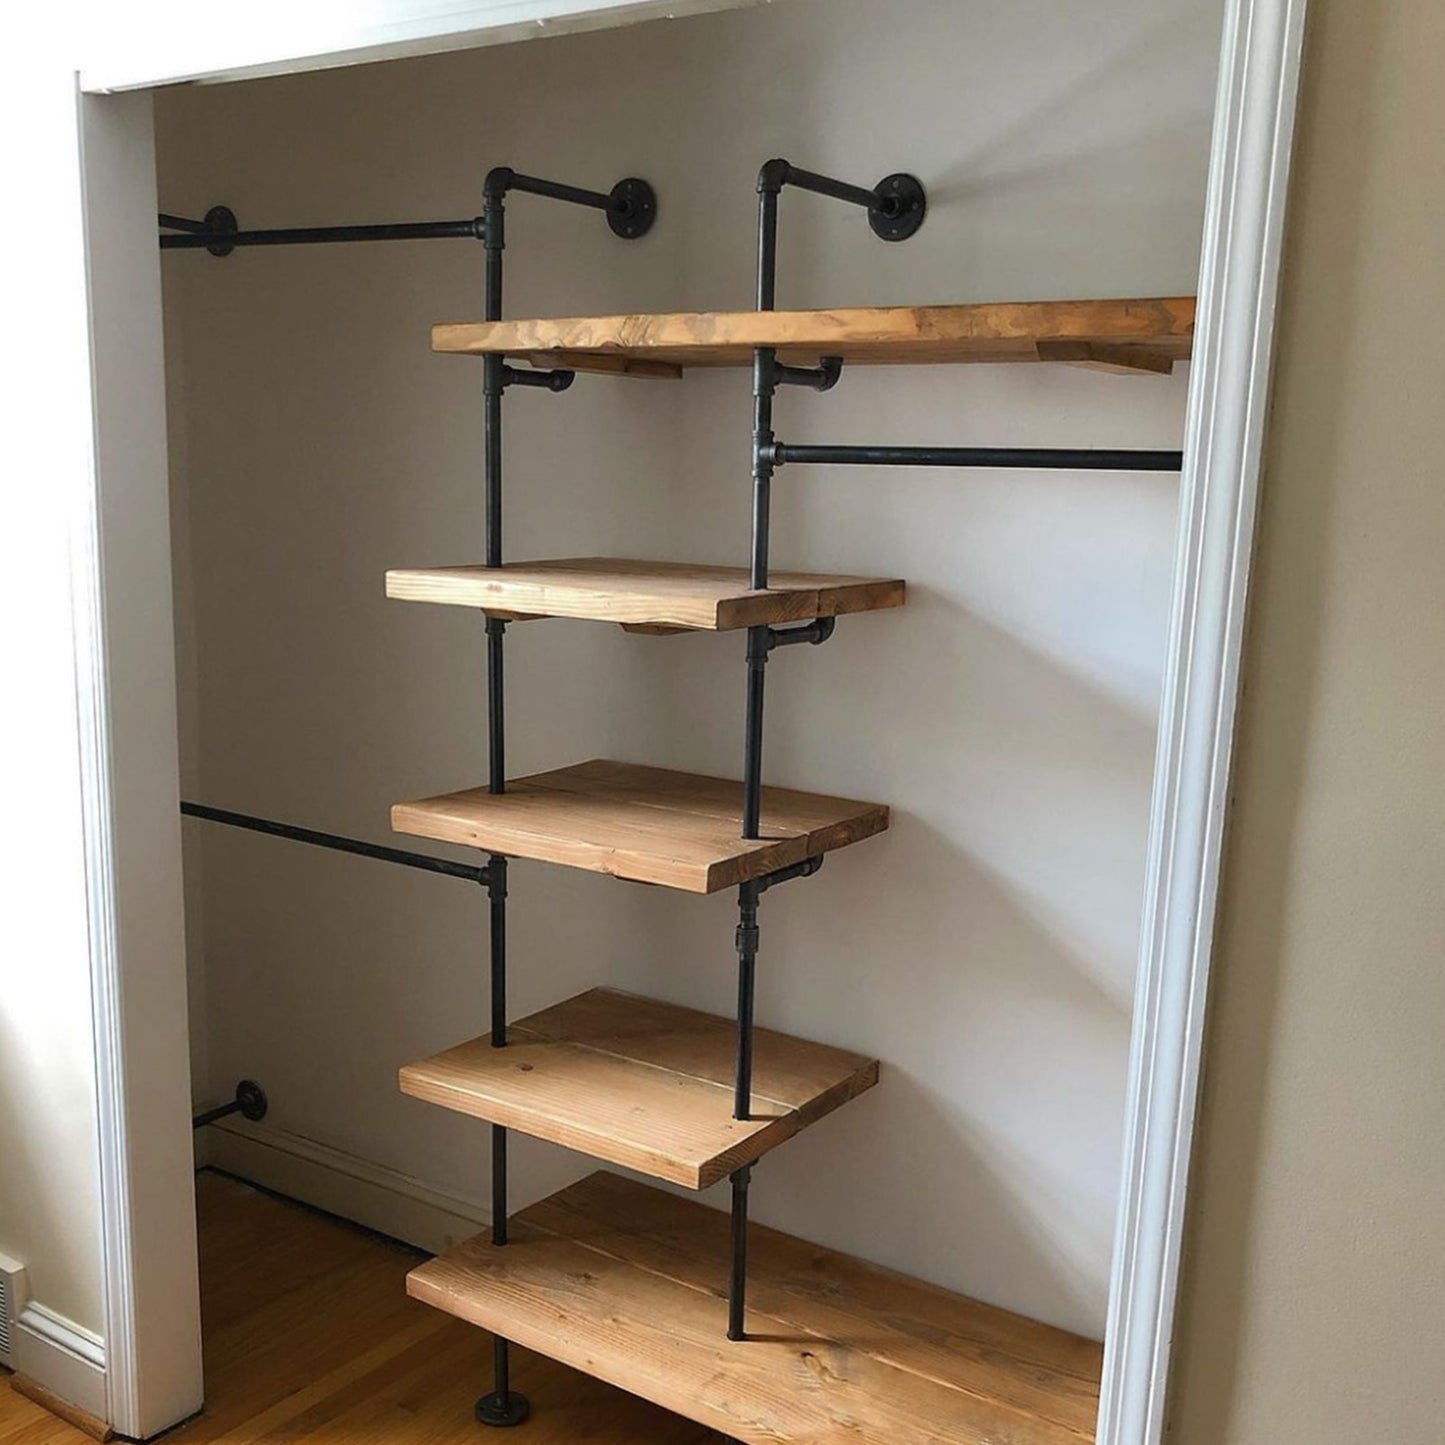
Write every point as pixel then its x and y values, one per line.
pixel 12 1301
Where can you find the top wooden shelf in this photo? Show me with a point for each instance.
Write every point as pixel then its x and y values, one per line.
pixel 1132 335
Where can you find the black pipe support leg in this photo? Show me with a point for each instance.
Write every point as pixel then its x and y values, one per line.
pixel 738 1280
pixel 503 1407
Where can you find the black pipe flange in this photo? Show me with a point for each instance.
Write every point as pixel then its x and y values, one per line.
pixel 632 208
pixel 900 208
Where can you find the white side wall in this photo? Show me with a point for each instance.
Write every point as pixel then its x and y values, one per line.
pixel 49 1181
pixel 985 948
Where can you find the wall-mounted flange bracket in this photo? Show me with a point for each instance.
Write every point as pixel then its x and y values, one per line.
pixel 632 208
pixel 221 221
pixel 900 207
pixel 250 1103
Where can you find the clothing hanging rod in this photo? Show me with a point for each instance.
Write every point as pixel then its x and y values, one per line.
pixel 423 861
pixel 1027 458
pixel 630 207
pixel 198 235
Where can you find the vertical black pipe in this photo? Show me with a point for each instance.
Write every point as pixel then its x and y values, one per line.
pixel 747 944
pixel 501 1407
pixel 757 657
pixel 764 388
pixel 770 180
pixel 738 1284
pixel 769 184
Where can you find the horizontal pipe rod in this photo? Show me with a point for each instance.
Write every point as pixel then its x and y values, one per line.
pixel 182 223
pixel 422 861
pixel 829 186
pixel 804 869
pixel 555 190
pixel 195 240
pixel 1028 458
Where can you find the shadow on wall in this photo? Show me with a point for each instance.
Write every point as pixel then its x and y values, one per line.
pixel 984 949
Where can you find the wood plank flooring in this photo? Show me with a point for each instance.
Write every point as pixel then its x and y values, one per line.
pixel 310 1337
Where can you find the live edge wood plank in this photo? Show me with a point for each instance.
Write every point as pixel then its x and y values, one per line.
pixel 652 595
pixel 650 825
pixel 1105 333
pixel 643 1084
pixel 629 1283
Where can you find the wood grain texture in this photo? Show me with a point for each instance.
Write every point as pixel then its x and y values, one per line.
pixel 643 1084
pixel 310 1336
pixel 650 825
pixel 670 595
pixel 1161 327
pixel 630 1283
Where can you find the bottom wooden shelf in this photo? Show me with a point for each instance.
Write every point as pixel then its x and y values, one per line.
pixel 629 1283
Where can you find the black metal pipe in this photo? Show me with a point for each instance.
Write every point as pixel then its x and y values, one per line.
pixel 496 706
pixel 337 843
pixel 183 223
pixel 1027 458
pixel 197 236
pixel 804 869
pixel 764 448
pixel 738 1281
pixel 823 377
pixel 497 895
pixel 557 379
pixel 767 248
pixel 504 179
pixel 825 185
pixel 757 661
pixel 747 947
pixel 815 633
pixel 250 1101
pixel 502 1407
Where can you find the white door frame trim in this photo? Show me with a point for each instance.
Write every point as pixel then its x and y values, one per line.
pixel 1249 173
pixel 1228 404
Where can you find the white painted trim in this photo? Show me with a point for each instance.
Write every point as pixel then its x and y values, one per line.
pixel 277 37
pixel 61 1356
pixel 381 1198
pixel 120 579
pixel 1239 275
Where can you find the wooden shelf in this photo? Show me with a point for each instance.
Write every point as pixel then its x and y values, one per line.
pixel 648 594
pixel 629 1284
pixel 643 1084
pixel 1133 335
pixel 650 825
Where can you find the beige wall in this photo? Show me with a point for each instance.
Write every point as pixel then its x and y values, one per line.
pixel 985 948
pixel 1314 1298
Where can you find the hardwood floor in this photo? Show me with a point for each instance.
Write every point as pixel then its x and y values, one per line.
pixel 310 1336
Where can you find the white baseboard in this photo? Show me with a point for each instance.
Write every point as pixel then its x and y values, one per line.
pixel 62 1357
pixel 371 1194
